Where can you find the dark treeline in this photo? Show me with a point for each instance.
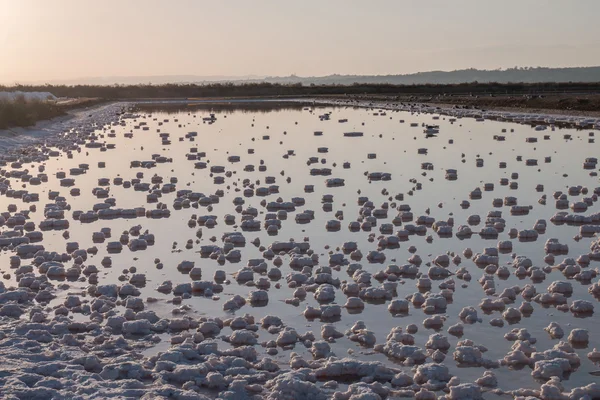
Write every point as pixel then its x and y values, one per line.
pixel 116 92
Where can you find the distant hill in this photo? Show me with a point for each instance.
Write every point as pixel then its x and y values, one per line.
pixel 512 75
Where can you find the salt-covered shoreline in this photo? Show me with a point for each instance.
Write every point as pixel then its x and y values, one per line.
pixel 82 118
pixel 524 117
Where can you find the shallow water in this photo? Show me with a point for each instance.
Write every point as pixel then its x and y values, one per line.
pixel 395 145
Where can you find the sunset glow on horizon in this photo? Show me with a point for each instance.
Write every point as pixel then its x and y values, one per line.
pixel 69 39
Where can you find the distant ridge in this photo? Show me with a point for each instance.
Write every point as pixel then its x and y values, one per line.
pixel 510 75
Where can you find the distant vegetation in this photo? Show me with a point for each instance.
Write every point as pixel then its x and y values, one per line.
pixel 22 113
pixel 117 92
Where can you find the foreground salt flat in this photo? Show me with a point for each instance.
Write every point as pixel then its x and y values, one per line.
pixel 347 245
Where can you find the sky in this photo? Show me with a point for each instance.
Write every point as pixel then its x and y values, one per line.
pixel 50 40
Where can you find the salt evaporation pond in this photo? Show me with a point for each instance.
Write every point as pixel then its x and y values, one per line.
pixel 393 177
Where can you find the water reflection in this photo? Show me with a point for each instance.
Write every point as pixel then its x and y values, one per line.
pixel 261 107
pixel 271 130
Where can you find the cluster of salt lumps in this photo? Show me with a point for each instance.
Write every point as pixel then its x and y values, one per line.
pixel 137 321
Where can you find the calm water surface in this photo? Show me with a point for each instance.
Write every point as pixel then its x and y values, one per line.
pixel 396 147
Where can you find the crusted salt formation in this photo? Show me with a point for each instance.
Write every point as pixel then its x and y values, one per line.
pixel 85 313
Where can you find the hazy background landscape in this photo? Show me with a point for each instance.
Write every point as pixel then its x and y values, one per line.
pixel 341 42
pixel 69 53
pixel 517 74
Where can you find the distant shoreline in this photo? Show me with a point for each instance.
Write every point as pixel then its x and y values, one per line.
pixel 564 98
pixel 563 104
pixel 550 105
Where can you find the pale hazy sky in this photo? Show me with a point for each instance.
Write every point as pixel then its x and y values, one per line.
pixel 45 40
